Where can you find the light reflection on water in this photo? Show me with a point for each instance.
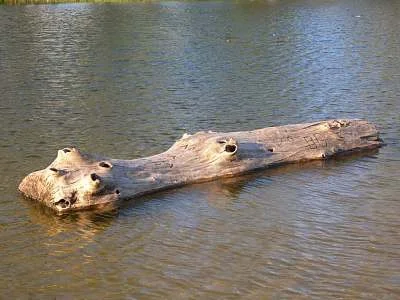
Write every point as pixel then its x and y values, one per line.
pixel 127 80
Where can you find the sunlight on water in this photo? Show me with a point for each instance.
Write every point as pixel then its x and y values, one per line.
pixel 127 80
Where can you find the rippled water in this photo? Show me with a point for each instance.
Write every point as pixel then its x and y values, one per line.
pixel 127 80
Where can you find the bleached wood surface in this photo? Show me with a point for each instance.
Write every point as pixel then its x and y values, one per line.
pixel 76 180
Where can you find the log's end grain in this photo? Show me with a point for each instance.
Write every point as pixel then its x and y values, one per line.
pixel 76 180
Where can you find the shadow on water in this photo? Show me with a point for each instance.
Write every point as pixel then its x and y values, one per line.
pixel 88 223
pixel 217 192
pixel 231 188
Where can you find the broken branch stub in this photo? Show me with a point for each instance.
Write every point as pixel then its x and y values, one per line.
pixel 75 180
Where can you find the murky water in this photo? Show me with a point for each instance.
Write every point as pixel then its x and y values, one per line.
pixel 127 80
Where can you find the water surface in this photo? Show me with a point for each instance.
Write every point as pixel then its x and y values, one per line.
pixel 127 80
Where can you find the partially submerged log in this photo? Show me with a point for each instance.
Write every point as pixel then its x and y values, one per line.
pixel 76 180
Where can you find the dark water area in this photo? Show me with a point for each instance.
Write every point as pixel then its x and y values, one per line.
pixel 127 80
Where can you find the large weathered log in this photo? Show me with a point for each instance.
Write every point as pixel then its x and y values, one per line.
pixel 75 180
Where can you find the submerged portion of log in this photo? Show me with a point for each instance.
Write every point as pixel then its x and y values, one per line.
pixel 75 180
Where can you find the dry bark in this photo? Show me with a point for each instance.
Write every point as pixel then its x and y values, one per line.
pixel 75 180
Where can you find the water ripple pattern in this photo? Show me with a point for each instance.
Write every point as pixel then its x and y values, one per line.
pixel 127 80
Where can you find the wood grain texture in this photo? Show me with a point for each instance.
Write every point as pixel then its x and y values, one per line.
pixel 76 180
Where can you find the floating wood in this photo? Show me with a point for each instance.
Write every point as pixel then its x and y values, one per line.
pixel 75 180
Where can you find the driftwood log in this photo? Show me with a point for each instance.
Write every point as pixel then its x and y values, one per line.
pixel 76 180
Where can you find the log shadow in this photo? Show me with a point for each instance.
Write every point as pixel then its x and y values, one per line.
pixel 219 193
pixel 224 190
pixel 87 223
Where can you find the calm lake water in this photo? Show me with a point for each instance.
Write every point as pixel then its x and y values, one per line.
pixel 127 80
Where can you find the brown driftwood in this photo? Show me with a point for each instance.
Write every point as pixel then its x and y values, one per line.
pixel 75 180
